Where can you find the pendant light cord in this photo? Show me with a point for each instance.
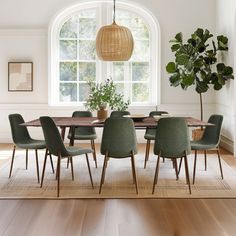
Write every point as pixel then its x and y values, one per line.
pixel 114 11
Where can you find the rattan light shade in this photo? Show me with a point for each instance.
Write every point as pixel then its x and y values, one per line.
pixel 114 43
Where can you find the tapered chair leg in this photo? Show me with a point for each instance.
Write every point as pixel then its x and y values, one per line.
pixel 205 158
pixel 180 163
pixel 12 160
pixel 89 170
pixel 53 171
pixel 134 172
pixel 156 173
pixel 103 173
pixel 187 172
pixel 37 164
pixel 147 153
pixel 221 171
pixel 26 159
pixel 72 168
pixel 44 166
pixel 194 166
pixel 58 174
pixel 176 168
pixel 94 153
pixel 68 162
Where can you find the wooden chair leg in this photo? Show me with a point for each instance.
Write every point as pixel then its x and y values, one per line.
pixel 12 160
pixel 194 167
pixel 90 174
pixel 44 167
pixel 134 172
pixel 176 168
pixel 103 173
pixel 94 153
pixel 205 158
pixel 132 169
pixel 68 162
pixel 156 173
pixel 26 159
pixel 58 174
pixel 53 171
pixel 187 172
pixel 180 163
pixel 221 170
pixel 72 169
pixel 37 164
pixel 147 153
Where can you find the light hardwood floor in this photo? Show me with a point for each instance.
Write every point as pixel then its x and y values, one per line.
pixel 120 217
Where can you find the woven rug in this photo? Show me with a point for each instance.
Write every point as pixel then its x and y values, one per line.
pixel 118 182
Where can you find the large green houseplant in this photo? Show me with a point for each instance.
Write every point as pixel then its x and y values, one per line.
pixel 197 62
pixel 104 94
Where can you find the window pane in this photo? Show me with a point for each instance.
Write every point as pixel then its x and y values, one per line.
pixel 120 88
pixel 87 28
pixel 87 13
pixel 83 92
pixel 69 29
pixel 118 71
pixel 68 71
pixel 87 71
pixel 86 50
pixel 140 71
pixel 68 92
pixel 141 51
pixel 140 92
pixel 68 49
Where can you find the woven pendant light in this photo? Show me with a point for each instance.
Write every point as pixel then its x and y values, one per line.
pixel 114 42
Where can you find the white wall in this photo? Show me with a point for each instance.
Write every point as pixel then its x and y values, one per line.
pixel 23 36
pixel 226 100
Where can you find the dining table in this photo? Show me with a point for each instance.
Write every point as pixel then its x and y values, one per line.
pixel 73 122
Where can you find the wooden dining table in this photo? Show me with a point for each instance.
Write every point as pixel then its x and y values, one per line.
pixel 73 122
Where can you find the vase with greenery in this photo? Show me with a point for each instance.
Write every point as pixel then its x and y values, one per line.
pixel 197 62
pixel 104 94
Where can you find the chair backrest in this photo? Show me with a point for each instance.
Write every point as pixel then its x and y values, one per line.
pixel 52 136
pixel 83 130
pixel 172 137
pixel 211 134
pixel 157 113
pixel 19 133
pixel 115 114
pixel 119 137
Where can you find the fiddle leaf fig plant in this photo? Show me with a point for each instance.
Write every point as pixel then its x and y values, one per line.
pixel 197 62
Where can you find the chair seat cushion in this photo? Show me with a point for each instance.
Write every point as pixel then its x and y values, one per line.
pixel 150 134
pixel 200 145
pixel 75 151
pixel 83 136
pixel 32 144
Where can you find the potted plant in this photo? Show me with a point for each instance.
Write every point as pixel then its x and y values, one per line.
pixel 102 95
pixel 197 62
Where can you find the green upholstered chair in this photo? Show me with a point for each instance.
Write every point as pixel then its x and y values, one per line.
pixel 115 114
pixel 118 141
pixel 85 133
pixel 57 148
pixel 172 141
pixel 150 135
pixel 209 141
pixel 22 139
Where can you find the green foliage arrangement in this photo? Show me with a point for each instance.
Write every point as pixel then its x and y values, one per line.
pixel 196 62
pixel 103 94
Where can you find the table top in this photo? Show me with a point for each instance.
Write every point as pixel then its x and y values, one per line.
pixel 148 122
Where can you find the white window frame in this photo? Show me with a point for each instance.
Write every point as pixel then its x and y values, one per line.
pixel 103 70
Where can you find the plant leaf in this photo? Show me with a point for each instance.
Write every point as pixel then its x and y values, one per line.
pixel 171 67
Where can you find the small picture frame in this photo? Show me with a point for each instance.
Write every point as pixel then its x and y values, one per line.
pixel 20 76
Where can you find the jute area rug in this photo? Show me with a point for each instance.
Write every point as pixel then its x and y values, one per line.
pixel 118 182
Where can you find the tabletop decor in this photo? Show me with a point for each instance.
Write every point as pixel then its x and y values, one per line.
pixel 102 95
pixel 198 62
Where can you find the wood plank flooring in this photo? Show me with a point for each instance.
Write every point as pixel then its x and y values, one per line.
pixel 120 217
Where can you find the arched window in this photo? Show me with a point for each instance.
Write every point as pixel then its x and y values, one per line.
pixel 73 58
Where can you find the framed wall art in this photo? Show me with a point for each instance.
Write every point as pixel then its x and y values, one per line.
pixel 20 76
